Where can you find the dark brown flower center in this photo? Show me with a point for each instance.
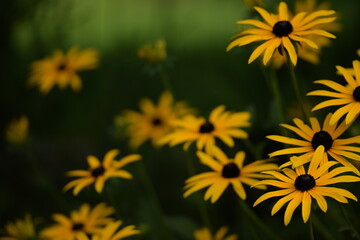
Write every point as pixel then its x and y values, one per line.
pixel 157 122
pixel 282 28
pixel 304 182
pixel 230 170
pixel 77 226
pixel 207 127
pixel 98 171
pixel 322 138
pixel 356 94
pixel 61 66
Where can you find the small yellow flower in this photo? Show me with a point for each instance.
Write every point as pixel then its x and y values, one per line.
pixel 109 232
pixel 222 124
pixel 62 69
pixel 225 172
pixel 79 224
pixel 348 95
pixel 305 52
pixel 313 136
pixel 154 121
pixel 21 229
pixel 279 30
pixel 153 53
pixel 300 186
pixel 17 131
pixel 205 234
pixel 99 172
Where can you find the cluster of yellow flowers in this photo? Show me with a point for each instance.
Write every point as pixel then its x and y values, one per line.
pixel 318 157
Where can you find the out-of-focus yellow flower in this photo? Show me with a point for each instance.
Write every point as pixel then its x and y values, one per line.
pixel 111 232
pixel 61 69
pixel 154 121
pixel 305 52
pixel 20 229
pixel 153 53
pixel 205 234
pixel 17 131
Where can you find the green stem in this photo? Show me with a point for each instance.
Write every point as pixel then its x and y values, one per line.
pixel 154 198
pixel 277 95
pixel 296 85
pixel 199 202
pixel 321 228
pixel 166 80
pixel 311 231
pixel 348 220
pixel 250 213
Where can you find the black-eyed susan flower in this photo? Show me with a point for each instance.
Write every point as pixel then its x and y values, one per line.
pixel 314 136
pixel 300 186
pixel 62 69
pixel 225 172
pixel 111 232
pixel 306 52
pixel 17 131
pixel 205 234
pixel 99 172
pixel 81 223
pixel 153 53
pixel 20 229
pixel 279 30
pixel 221 124
pixel 348 95
pixel 154 121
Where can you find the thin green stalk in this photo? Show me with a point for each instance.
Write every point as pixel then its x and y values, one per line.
pixel 154 199
pixel 321 228
pixel 296 85
pixel 347 219
pixel 250 213
pixel 199 202
pixel 165 80
pixel 277 95
pixel 311 231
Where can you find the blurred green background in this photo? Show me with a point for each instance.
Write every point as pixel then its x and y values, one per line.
pixel 65 126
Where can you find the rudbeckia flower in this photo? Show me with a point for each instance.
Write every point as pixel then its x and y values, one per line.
pixel 99 172
pixel 153 53
pixel 221 124
pixel 205 234
pixel 279 31
pixel 300 186
pixel 111 232
pixel 154 121
pixel 17 131
pixel 20 229
pixel 62 69
pixel 348 95
pixel 314 136
pixel 82 222
pixel 225 172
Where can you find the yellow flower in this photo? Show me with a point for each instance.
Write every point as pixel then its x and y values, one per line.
pixel 17 131
pixel 82 222
pixel 221 124
pixel 348 95
pixel 21 229
pixel 314 136
pixel 154 121
pixel 279 30
pixel 99 172
pixel 109 232
pixel 226 172
pixel 300 187
pixel 61 69
pixel 205 234
pixel 153 53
